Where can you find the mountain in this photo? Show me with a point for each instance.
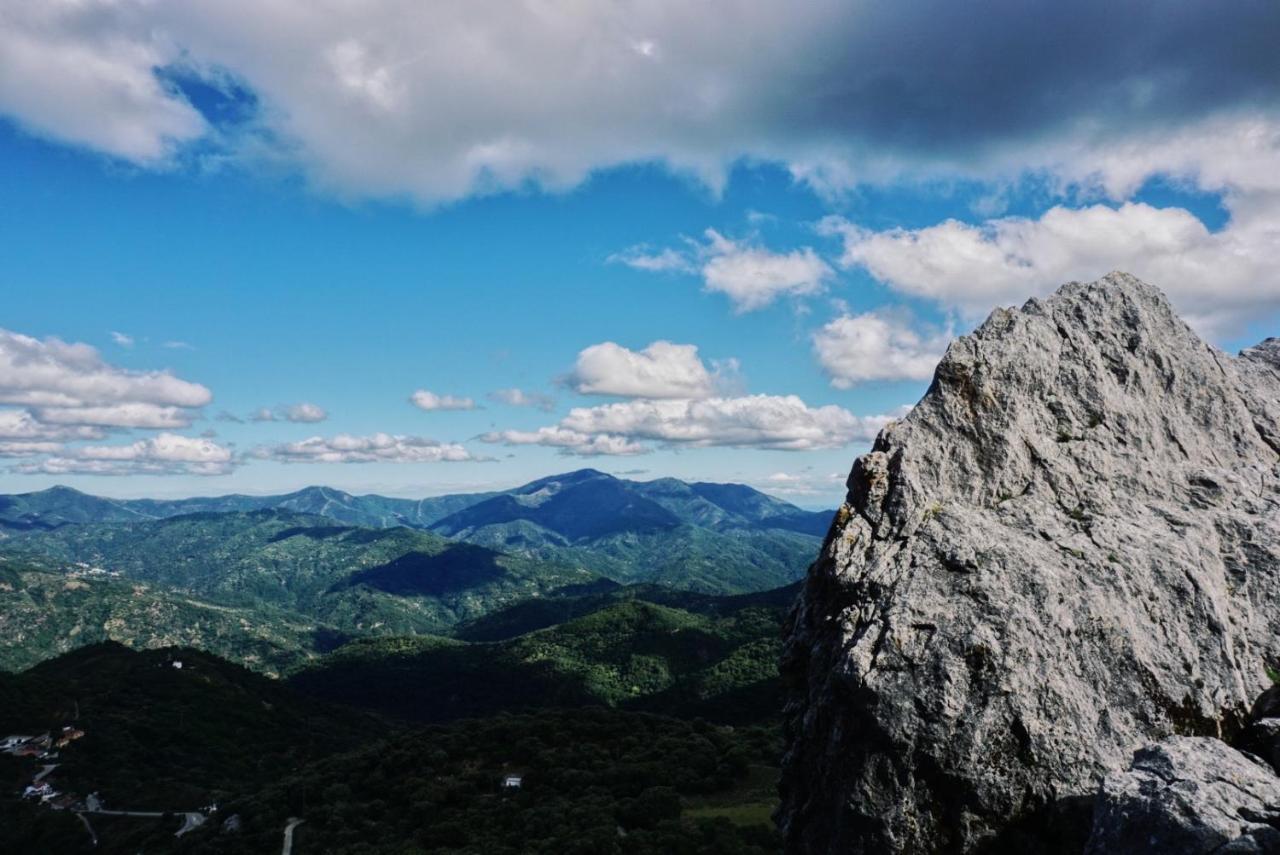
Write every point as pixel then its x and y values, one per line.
pixel 49 608
pixel 58 506
pixel 719 506
pixel 716 538
pixel 1069 549
pixel 174 741
pixel 343 579
pixel 589 504
pixel 159 736
pixel 644 648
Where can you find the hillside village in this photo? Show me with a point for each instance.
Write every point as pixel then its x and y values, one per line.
pixel 44 753
pixel 44 749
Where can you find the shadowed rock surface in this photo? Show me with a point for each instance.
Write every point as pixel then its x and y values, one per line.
pixel 1188 795
pixel 1068 550
pixel 1262 736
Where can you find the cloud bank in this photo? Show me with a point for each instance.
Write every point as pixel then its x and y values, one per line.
pixel 375 448
pixel 393 98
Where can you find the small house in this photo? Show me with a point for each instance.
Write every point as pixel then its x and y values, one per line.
pixel 512 782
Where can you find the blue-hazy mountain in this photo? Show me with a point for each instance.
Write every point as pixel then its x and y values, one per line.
pixel 716 538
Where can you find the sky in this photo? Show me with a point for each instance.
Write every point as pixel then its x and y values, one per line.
pixel 410 249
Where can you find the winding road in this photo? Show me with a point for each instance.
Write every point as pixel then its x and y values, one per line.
pixel 293 823
pixel 191 820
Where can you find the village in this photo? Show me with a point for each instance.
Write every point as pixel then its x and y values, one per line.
pixel 44 749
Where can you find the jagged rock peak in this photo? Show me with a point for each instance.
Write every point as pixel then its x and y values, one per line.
pixel 1067 550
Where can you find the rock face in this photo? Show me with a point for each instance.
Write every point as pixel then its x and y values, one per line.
pixel 1069 549
pixel 1262 736
pixel 1188 795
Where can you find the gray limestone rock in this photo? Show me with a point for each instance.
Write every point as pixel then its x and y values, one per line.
pixel 1069 549
pixel 1262 735
pixel 1191 796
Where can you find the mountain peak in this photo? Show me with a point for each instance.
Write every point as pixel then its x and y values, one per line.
pixel 1066 550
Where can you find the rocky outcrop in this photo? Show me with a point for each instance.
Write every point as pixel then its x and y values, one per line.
pixel 1188 795
pixel 1262 735
pixel 1069 549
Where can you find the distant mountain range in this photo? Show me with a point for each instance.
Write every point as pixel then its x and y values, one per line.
pixel 275 581
pixel 716 538
pixel 582 504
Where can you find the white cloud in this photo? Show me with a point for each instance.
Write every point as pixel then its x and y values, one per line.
pixel 84 73
pixel 520 398
pixel 789 484
pixel 661 370
pixel 753 276
pixel 304 412
pixel 67 385
pixel 754 421
pixel 878 345
pixel 52 373
pixel 663 261
pixel 748 273
pixel 568 441
pixel 376 448
pixel 1216 279
pixel 438 102
pixel 28 449
pixel 122 339
pixel 21 425
pixel 429 401
pixel 163 454
pixel 782 422
pixel 128 415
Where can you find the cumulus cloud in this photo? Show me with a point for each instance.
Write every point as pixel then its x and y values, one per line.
pixel 21 425
pixel 70 384
pixel 84 73
pixel 878 345
pixel 390 98
pixel 521 398
pixel 122 339
pixel 28 449
pixel 376 448
pixel 129 415
pixel 429 401
pixel 751 275
pixel 661 370
pixel 569 442
pixel 1216 279
pixel 303 412
pixel 759 421
pixel 778 422
pixel 52 373
pixel 163 454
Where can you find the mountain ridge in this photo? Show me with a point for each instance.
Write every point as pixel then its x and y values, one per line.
pixel 60 504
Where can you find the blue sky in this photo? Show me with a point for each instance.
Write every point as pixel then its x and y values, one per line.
pixel 264 244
